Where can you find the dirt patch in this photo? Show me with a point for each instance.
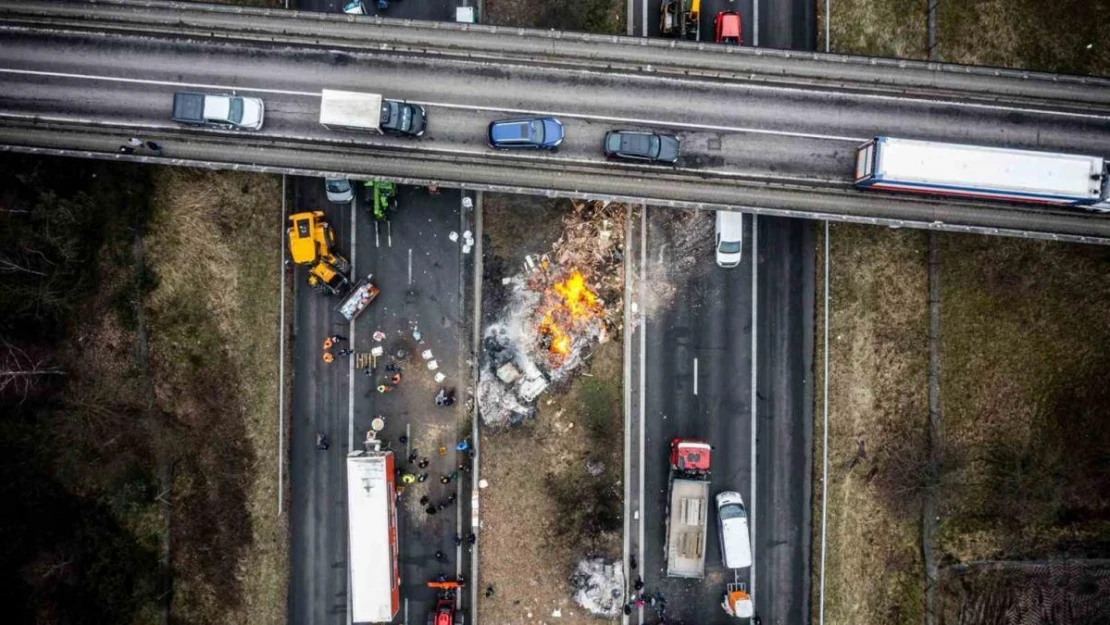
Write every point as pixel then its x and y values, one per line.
pixel 543 510
pixel 214 244
pixel 877 409
pixel 555 490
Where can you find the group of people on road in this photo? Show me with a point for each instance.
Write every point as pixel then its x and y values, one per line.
pixel 330 343
pixel 135 143
pixel 640 597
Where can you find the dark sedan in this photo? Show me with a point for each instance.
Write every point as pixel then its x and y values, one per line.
pixel 533 132
pixel 641 146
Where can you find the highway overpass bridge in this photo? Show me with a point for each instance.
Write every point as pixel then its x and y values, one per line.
pixel 765 131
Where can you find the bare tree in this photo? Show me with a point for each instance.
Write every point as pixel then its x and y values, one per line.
pixel 21 373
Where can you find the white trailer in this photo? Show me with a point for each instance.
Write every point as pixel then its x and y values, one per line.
pixel 980 172
pixel 350 110
pixel 372 537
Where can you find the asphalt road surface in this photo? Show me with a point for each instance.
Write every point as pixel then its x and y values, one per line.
pixel 783 24
pixel 730 130
pixel 697 385
pixel 421 274
pixel 711 323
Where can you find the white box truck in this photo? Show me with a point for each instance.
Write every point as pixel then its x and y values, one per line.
pixel 369 112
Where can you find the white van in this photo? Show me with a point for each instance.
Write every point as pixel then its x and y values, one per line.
pixel 730 238
pixel 732 523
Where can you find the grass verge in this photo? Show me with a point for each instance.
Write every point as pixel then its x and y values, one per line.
pixel 543 511
pixel 213 242
pixel 589 16
pixel 1066 36
pixel 877 409
pixel 1026 325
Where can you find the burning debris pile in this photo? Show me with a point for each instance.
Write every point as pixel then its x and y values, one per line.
pixel 559 305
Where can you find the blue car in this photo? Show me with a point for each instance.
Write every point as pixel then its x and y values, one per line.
pixel 534 132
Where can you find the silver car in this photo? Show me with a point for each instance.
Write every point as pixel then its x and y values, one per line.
pixel 339 190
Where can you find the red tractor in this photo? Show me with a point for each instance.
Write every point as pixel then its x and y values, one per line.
pixel 726 28
pixel 447 610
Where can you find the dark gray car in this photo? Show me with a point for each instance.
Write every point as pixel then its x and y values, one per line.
pixel 641 146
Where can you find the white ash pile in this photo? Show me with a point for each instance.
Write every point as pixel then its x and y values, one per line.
pixel 599 586
pixel 561 304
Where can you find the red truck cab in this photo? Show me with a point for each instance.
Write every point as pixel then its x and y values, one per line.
pixel 690 456
pixel 726 28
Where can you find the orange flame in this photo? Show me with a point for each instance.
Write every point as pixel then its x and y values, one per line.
pixel 572 303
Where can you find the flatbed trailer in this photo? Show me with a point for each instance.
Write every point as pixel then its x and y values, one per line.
pixel 687 508
pixel 358 299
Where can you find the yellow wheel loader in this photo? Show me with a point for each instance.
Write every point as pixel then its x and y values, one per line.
pixel 311 242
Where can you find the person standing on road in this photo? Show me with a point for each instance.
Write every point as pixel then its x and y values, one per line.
pixel 346 352
pixel 335 338
pixel 135 142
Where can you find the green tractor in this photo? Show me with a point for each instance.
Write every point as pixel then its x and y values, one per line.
pixel 381 197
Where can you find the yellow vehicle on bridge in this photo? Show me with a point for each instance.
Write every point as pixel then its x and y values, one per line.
pixel 679 18
pixel 311 243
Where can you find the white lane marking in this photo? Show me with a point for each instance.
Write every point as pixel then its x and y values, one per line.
pixel 351 389
pixel 151 81
pixel 755 23
pixel 406 621
pixel 825 434
pixel 389 233
pixel 776 89
pixel 695 376
pixel 626 372
pixel 377 237
pixel 755 381
pixel 281 357
pixel 649 122
pixel 410 267
pixel 643 369
pixel 351 336
pixel 644 32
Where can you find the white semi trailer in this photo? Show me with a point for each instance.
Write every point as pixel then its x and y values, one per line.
pixel 980 172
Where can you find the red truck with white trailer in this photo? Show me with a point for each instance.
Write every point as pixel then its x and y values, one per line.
pixel 372 535
pixel 687 508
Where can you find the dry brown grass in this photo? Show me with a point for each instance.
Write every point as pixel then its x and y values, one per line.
pixel 1027 34
pixel 877 402
pixel 214 243
pixel 890 28
pixel 1026 325
pixel 524 555
pixel 1066 36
